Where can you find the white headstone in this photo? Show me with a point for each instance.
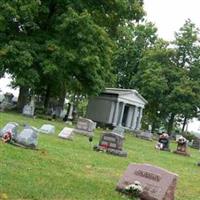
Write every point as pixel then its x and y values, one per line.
pixel 27 137
pixel 11 127
pixel 66 133
pixel 47 128
pixel 29 109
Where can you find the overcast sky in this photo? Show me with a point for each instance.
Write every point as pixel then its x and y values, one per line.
pixel 170 15
pixel 167 15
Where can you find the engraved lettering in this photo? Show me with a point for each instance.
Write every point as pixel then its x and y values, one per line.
pixel 148 175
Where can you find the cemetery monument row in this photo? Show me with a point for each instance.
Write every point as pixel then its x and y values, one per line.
pixel 156 183
pixel 111 143
pixel 117 107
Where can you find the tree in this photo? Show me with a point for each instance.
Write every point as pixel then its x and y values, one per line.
pixel 188 58
pixel 134 40
pixel 47 44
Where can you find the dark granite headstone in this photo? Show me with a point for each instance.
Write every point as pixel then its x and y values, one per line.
pixel 111 143
pixel 157 183
pixel 163 142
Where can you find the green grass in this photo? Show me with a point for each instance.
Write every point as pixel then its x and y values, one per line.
pixel 71 170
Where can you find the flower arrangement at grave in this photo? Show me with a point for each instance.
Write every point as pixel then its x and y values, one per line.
pixel 7 137
pixel 134 190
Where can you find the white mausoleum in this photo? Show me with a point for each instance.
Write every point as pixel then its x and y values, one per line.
pixel 117 107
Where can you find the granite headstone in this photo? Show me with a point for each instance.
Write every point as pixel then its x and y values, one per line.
pixel 111 143
pixel 147 135
pixel 66 133
pixel 157 183
pixel 85 127
pixel 47 128
pixel 9 127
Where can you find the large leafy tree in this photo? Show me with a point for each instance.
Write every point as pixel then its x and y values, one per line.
pixel 133 41
pixel 53 44
pixel 187 57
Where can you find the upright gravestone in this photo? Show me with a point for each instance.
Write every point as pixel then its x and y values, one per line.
pixel 196 143
pixel 66 133
pixel 111 143
pixel 182 147
pixel 29 109
pixel 27 137
pixel 156 183
pixel 85 126
pixel 146 135
pixel 47 128
pixel 9 127
pixel 118 130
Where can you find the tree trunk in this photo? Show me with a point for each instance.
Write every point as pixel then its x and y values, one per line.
pixel 61 101
pixel 153 127
pixel 23 98
pixel 47 98
pixel 184 124
pixel 170 124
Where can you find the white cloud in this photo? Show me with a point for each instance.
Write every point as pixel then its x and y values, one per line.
pixel 170 15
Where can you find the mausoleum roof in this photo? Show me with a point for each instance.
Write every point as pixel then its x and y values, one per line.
pixel 124 92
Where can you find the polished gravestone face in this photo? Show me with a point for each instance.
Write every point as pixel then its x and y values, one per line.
pixel 111 143
pixel 157 183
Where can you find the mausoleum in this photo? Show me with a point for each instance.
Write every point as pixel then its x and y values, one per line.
pixel 117 107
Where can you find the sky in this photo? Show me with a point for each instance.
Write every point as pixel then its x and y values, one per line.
pixel 170 15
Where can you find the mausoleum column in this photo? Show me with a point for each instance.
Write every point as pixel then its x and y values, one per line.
pixel 138 124
pixel 121 114
pixel 116 114
pixel 134 118
pixel 129 117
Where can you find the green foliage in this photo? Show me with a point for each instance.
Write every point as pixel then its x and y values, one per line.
pixel 56 45
pixel 132 43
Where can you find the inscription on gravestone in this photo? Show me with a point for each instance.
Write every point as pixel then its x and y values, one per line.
pixel 157 183
pixel 85 126
pixel 111 143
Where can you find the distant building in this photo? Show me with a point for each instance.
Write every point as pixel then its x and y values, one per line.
pixel 117 107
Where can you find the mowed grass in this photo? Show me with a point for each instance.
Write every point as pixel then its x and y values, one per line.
pixel 71 170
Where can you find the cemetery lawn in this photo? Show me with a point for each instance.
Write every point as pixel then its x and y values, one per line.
pixel 71 170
